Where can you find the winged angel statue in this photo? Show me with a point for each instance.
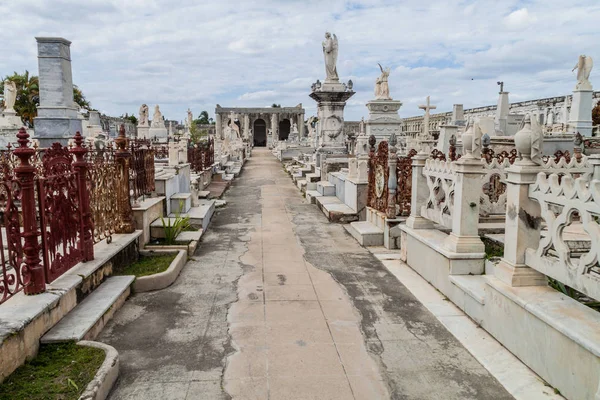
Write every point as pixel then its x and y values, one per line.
pixel 330 51
pixel 584 67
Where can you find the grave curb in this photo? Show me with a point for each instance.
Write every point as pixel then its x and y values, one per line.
pixel 162 279
pixel 106 376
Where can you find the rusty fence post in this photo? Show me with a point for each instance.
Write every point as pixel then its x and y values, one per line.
pixel 34 278
pixel 86 223
pixel 123 158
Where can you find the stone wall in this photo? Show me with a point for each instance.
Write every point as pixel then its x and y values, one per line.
pixel 552 111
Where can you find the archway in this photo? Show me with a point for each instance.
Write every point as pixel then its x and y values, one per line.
pixel 284 129
pixel 260 133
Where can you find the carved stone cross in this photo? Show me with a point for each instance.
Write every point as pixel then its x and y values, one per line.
pixel 426 107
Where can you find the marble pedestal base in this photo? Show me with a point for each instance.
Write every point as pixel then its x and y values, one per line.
pixel 383 118
pixel 56 130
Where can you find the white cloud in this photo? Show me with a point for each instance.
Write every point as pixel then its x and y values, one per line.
pixel 519 19
pixel 197 54
pixel 261 95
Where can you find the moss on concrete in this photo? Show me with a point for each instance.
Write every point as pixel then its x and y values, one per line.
pixel 148 265
pixel 59 372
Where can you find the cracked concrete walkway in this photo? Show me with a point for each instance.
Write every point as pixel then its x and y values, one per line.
pixel 280 304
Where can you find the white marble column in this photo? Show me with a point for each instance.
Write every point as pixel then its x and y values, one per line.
pixel 419 194
pixel 218 127
pixel 301 125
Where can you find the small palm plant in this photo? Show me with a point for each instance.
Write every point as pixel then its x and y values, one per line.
pixel 174 226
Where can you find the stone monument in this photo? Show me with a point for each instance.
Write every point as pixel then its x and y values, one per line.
pixel 143 124
pixel 580 118
pixel 157 130
pixel 383 117
pixel 57 119
pixel 294 134
pixel 9 118
pixel 331 97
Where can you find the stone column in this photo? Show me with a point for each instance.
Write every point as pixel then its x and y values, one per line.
pixel 57 119
pixel 173 152
pixel 419 194
pixel 580 118
pixel 274 128
pixel 523 217
pixel 218 128
pixel 464 237
pixel 392 179
pixel 301 125
pixel 501 118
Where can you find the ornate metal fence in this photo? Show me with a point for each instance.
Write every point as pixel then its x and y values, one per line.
pixel 61 219
pixel 13 276
pixel 404 174
pixel 141 172
pixel 201 155
pixel 377 196
pixel 103 181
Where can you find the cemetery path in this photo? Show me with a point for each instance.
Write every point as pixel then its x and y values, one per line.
pixel 280 304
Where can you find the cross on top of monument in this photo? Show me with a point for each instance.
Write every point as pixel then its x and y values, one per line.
pixel 427 107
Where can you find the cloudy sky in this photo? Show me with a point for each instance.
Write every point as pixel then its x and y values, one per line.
pixel 254 53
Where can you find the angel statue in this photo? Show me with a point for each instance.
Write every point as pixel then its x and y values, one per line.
pixel 330 51
pixel 584 67
pixel 382 90
pixel 143 120
pixel 10 95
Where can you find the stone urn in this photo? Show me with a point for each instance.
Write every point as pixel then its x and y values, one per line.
pixel 467 139
pixel 523 142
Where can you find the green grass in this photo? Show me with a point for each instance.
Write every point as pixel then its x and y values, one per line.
pixel 148 265
pixel 492 248
pixel 58 372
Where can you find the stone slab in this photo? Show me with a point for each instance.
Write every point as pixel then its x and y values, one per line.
pixel 366 233
pixel 76 324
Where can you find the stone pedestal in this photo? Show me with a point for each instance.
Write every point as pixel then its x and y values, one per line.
pixel 92 127
pixel 143 132
pixel 446 131
pixel 383 118
pixel 580 119
pixel 158 133
pixel 331 100
pixel 501 119
pixel 10 120
pixel 57 119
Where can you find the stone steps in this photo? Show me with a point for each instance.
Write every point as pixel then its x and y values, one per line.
pixel 311 196
pixel 335 210
pixel 201 215
pixel 181 202
pixel 365 233
pixel 325 188
pixel 86 320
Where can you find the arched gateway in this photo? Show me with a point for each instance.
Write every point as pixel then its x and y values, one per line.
pixel 260 132
pixel 261 126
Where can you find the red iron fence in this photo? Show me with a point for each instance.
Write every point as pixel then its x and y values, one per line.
pixel 201 155
pixel 56 203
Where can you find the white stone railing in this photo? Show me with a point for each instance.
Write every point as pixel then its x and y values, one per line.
pixel 493 183
pixel 572 256
pixel 440 177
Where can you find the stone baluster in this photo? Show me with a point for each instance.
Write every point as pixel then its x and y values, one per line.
pixel 33 274
pixel 392 178
pixel 420 192
pixel 87 227
pixel 464 237
pixel 123 158
pixel 523 215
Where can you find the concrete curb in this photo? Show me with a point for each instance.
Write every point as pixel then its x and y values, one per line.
pixel 162 279
pixel 101 385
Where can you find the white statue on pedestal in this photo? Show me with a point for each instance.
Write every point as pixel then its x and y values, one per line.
pixel 157 118
pixel 584 67
pixel 190 118
pixel 10 95
pixel 143 120
pixel 330 51
pixel 382 90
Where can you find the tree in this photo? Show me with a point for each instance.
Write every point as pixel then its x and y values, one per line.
pixel 203 118
pixel 596 115
pixel 132 118
pixel 276 105
pixel 28 96
pixel 80 100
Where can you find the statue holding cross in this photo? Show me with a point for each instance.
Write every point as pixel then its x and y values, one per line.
pixel 426 107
